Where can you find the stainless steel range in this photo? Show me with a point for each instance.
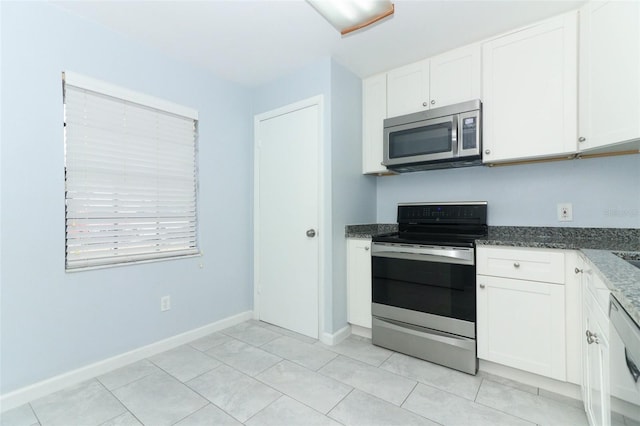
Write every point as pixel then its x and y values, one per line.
pixel 424 283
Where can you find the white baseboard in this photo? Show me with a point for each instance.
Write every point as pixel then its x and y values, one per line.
pixel 337 337
pixel 555 386
pixel 37 390
pixel 361 331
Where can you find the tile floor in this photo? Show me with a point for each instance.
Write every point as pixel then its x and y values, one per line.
pixel 258 374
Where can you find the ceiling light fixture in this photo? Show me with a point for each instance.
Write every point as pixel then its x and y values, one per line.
pixel 351 15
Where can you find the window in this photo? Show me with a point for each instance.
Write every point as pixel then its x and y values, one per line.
pixel 130 176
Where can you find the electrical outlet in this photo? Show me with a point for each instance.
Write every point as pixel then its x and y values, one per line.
pixel 565 212
pixel 165 303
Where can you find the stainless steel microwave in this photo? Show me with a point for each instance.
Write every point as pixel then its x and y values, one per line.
pixel 449 136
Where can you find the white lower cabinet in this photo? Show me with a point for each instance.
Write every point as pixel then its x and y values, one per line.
pixel 521 324
pixel 520 319
pixel 359 282
pixel 595 351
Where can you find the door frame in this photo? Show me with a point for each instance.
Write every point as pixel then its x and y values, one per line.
pixel 323 227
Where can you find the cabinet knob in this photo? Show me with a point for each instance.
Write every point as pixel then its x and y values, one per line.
pixel 487 151
pixel 433 101
pixel 582 139
pixel 516 264
pixel 577 271
pixel 592 338
pixel 481 285
pixel 424 104
pixel 366 248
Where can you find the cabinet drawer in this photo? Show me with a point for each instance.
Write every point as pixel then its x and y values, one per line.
pixel 525 264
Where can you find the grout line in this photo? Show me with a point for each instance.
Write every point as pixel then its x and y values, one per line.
pixel 475 398
pixel 190 414
pixel 408 395
pixel 34 413
pixel 264 408
pixel 202 374
pixel 338 403
pixel 127 410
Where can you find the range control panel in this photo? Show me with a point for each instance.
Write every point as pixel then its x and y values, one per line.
pixel 471 213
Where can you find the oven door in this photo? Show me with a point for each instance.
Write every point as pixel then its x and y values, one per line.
pixel 427 140
pixel 437 281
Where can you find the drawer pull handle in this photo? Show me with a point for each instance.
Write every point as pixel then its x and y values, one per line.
pixel 516 264
pixel 481 285
pixel 578 270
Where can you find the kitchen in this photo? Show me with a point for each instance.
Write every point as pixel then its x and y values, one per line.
pixel 603 192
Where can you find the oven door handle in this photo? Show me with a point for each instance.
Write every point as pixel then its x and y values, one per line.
pixel 462 256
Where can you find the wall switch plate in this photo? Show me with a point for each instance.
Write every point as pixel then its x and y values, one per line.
pixel 565 212
pixel 165 303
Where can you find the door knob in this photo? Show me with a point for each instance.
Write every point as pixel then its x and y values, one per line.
pixel 311 233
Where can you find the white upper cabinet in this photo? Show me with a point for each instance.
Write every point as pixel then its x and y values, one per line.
pixel 455 76
pixel 408 89
pixel 530 92
pixel 609 74
pixel 374 111
pixel 445 79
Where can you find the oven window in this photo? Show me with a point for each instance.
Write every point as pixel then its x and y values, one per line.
pixel 431 139
pixel 436 288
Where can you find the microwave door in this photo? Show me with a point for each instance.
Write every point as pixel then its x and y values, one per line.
pixel 427 140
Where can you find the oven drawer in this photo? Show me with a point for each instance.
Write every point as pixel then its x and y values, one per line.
pixel 521 263
pixel 441 348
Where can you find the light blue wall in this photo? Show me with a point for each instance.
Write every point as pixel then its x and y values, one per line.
pixel 310 81
pixel 52 321
pixel 353 194
pixel 605 192
pixel 349 196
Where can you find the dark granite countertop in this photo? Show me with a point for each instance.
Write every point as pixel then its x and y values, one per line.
pixel 369 230
pixel 622 278
pixel 620 239
pixel 597 244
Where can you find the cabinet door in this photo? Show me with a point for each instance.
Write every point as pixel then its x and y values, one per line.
pixel 359 282
pixel 521 324
pixel 595 364
pixel 609 73
pixel 408 89
pixel 374 111
pixel 530 92
pixel 455 76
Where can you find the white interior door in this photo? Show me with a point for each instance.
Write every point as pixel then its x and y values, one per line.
pixel 287 217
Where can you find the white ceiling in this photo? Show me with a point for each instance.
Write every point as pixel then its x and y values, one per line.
pixel 255 41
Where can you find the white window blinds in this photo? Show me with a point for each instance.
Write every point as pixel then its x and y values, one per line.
pixel 130 177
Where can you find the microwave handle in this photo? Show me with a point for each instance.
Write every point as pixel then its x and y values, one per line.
pixel 455 131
